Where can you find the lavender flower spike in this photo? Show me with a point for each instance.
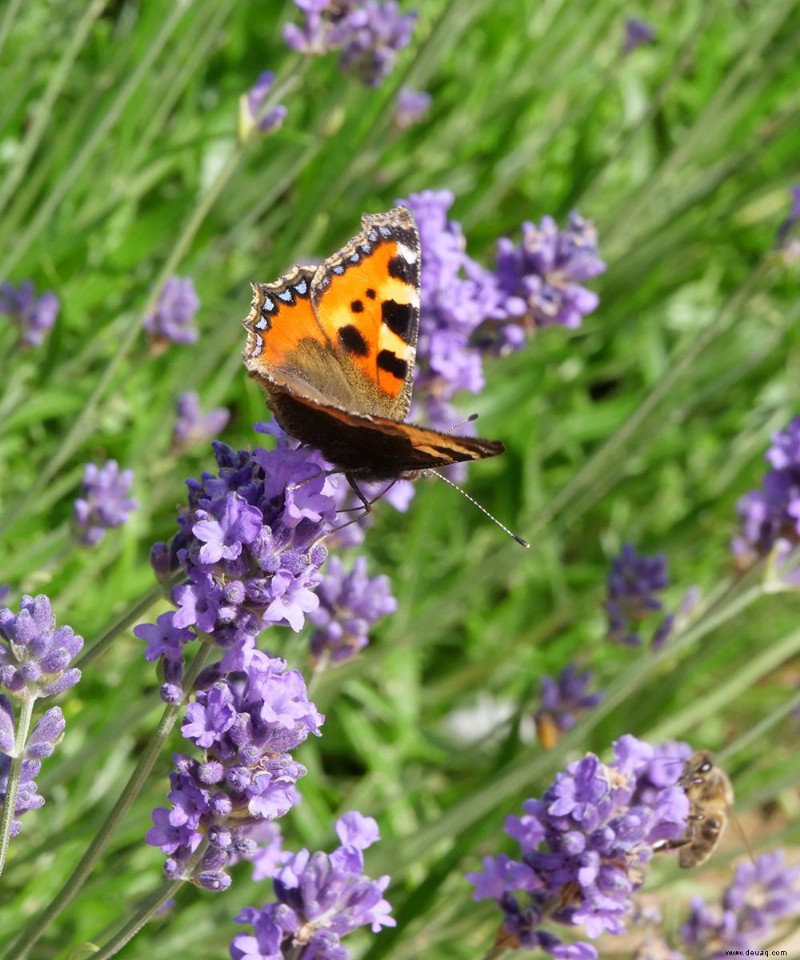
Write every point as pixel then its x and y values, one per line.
pixel 563 699
pixel 35 659
pixel 105 502
pixel 245 722
pixel 250 109
pixel 33 316
pixel 633 587
pixel 348 605
pixel 583 848
pixel 762 895
pixel 637 33
pixel 540 281
pixel 35 656
pixel 248 547
pixel 770 516
pixel 410 107
pixel 194 427
pixel 320 898
pixel 171 318
pixel 368 33
pixel 46 734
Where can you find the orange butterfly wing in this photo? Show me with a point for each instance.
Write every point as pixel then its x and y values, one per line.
pixel 344 333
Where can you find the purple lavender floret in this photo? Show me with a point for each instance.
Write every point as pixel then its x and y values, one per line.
pixel 539 282
pixel 634 583
pixel 192 426
pixel 368 33
pixel 565 697
pixel 370 36
pixel 637 33
pixel 35 656
pixel 251 105
pixel 171 319
pixel 105 502
pixel 33 316
pixel 771 516
pixel 583 848
pixel 245 722
pixel 410 107
pixel 248 547
pixel 320 898
pixel 349 603
pixel 761 896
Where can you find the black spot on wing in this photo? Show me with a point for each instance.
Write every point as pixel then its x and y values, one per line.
pixel 353 341
pixel 371 293
pixel 398 317
pixel 401 269
pixel 391 363
pixel 357 306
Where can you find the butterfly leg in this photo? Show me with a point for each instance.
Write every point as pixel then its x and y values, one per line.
pixel 314 476
pixel 364 507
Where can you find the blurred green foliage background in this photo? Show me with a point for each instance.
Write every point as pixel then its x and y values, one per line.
pixel 120 166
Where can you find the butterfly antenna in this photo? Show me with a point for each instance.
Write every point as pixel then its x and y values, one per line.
pixel 483 510
pixel 457 426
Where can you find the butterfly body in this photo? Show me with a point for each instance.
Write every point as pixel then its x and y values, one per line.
pixel 334 346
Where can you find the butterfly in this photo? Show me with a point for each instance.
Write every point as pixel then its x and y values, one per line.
pixel 334 347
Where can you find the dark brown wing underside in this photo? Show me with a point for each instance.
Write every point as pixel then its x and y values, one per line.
pixel 372 448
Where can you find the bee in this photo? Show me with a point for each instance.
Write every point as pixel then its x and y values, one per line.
pixel 710 795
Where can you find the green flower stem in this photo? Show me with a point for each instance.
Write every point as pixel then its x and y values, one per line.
pixel 31 934
pixel 149 908
pixel 495 953
pixel 41 116
pixel 12 786
pixel 757 731
pixel 8 21
pixel 729 690
pixel 130 616
pixel 48 208
pixel 587 476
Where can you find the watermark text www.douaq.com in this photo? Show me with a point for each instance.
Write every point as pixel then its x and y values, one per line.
pixel 756 953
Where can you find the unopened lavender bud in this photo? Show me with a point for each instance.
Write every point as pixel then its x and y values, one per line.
pixel 215 881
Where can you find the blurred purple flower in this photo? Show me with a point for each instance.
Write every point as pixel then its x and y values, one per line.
pixel 368 33
pixel 105 502
pixel 192 426
pixel 32 316
pixel 539 283
pixel 633 585
pixel 348 606
pixel 563 699
pixel 172 316
pixel 35 656
pixel 451 309
pixel 251 106
pixel 410 107
pixel 583 848
pixel 320 898
pixel 245 722
pixel 637 33
pixel 783 240
pixel 762 895
pixel 771 516
pixel 42 741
